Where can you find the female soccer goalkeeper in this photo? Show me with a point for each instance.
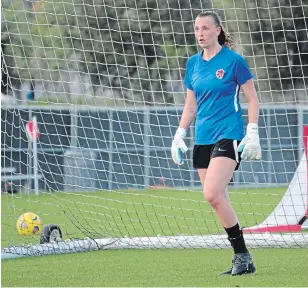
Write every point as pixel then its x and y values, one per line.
pixel 213 80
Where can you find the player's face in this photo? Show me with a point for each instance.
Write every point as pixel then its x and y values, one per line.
pixel 206 31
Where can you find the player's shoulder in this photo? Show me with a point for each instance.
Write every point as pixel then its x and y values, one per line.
pixel 193 59
pixel 233 55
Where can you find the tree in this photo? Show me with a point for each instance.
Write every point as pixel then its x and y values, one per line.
pixel 136 49
pixel 273 37
pixel 281 34
pixel 123 47
pixel 32 48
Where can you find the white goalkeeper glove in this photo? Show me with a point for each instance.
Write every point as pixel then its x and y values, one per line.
pixel 250 145
pixel 179 148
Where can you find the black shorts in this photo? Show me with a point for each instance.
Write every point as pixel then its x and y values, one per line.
pixel 203 154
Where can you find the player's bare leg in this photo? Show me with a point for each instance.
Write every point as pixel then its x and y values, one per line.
pixel 202 175
pixel 214 190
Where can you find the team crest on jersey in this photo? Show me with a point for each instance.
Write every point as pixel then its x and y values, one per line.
pixel 220 73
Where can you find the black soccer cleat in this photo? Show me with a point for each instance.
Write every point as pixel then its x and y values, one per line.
pixel 241 264
pixel 228 272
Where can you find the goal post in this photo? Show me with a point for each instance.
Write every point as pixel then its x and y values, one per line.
pixel 104 82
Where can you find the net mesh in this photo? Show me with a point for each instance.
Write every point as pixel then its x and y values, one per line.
pixel 105 80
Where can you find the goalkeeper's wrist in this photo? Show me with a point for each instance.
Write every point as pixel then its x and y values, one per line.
pixel 181 132
pixel 252 128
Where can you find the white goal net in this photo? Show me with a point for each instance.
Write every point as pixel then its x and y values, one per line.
pixel 102 81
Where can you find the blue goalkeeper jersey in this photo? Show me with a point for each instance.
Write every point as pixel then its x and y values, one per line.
pixel 216 84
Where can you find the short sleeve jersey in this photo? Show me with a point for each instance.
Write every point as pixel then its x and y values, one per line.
pixel 216 84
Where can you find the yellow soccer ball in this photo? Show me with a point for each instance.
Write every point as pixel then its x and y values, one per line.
pixel 29 224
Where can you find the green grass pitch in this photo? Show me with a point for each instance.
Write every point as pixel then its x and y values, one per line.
pixel 143 213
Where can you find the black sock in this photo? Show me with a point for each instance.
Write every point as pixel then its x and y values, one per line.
pixel 235 236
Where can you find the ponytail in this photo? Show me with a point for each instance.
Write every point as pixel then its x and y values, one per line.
pixel 225 39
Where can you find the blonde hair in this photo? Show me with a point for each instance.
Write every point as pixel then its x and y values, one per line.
pixel 224 38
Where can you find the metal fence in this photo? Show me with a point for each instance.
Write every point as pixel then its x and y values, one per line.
pixel 84 149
